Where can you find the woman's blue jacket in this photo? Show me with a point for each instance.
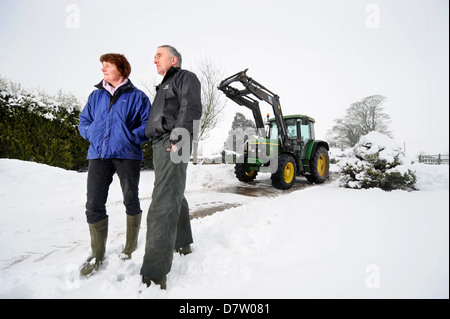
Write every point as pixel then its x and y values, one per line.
pixel 115 125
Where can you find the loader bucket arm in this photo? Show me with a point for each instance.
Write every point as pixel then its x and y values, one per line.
pixel 242 97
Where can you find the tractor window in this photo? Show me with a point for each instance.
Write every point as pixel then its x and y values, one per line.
pixel 291 128
pixel 305 133
pixel 273 131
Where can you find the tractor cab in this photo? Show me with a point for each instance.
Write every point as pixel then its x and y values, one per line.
pixel 300 129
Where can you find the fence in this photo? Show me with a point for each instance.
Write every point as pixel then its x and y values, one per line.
pixel 434 159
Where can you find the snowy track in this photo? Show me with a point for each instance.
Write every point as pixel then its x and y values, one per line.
pixel 224 197
pixel 259 243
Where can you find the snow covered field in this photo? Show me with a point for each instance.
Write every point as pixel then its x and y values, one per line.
pixel 320 242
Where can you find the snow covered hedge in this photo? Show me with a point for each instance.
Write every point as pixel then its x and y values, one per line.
pixel 377 161
pixel 37 127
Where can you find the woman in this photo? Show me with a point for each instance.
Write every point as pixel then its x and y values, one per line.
pixel 113 121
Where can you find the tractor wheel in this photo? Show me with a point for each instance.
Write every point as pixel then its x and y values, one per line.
pixel 243 174
pixel 319 166
pixel 284 177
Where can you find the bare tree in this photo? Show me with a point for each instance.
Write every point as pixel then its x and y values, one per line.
pixel 213 102
pixel 361 118
pixel 150 89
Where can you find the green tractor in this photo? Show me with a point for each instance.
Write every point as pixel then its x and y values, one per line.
pixel 285 146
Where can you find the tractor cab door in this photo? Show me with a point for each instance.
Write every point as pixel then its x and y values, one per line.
pixel 305 131
pixel 307 136
pixel 292 131
pixel 293 134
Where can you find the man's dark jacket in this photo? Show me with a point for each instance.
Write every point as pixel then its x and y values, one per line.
pixel 177 104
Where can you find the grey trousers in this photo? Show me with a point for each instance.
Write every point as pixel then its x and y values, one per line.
pixel 168 223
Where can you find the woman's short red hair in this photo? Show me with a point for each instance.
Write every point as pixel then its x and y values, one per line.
pixel 120 61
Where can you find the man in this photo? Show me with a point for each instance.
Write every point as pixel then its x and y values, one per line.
pixel 176 106
pixel 113 121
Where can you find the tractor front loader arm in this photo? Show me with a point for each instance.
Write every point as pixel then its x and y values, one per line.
pixel 242 97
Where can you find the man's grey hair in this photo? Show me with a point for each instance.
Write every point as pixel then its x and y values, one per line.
pixel 173 52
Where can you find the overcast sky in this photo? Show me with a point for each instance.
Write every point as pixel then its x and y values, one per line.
pixel 319 56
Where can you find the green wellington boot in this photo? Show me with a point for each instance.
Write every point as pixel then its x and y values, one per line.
pixel 99 233
pixel 133 226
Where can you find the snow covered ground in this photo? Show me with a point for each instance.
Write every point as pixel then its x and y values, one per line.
pixel 319 242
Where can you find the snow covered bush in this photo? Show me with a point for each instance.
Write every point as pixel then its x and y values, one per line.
pixel 377 161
